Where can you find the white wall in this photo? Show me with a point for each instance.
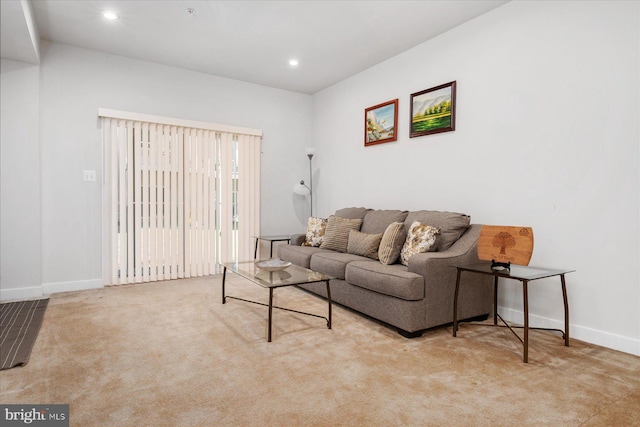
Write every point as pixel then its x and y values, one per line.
pixel 75 82
pixel 546 136
pixel 20 256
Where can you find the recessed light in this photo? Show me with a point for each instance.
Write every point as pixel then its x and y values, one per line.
pixel 293 62
pixel 109 14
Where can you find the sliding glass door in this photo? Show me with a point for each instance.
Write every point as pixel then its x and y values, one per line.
pixel 178 199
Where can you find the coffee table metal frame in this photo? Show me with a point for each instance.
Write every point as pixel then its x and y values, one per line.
pixel 524 274
pixel 293 275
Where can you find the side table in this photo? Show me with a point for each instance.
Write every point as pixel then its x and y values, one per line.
pixel 524 274
pixel 270 239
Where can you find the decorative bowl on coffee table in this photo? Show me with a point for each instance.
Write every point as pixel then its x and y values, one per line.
pixel 273 264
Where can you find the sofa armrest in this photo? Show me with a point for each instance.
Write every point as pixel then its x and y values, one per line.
pixel 440 279
pixel 464 251
pixel 297 239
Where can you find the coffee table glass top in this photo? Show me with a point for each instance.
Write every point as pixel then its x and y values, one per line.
pixel 519 272
pixel 292 275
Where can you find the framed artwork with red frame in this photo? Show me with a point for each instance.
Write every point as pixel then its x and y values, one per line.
pixel 381 123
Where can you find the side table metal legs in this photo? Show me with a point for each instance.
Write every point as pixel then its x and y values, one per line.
pixel 255 250
pixel 271 240
pixel 495 301
pixel 525 300
pixel 565 333
pixel 525 343
pixel 566 311
pixel 270 313
pixel 329 300
pixel 455 304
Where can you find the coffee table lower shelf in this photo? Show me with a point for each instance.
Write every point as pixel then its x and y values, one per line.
pixel 272 280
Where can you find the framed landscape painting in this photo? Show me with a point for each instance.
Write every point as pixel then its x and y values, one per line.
pixel 433 110
pixel 381 123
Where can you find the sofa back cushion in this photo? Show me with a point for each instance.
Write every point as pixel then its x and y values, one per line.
pixel 352 213
pixel 452 225
pixel 377 221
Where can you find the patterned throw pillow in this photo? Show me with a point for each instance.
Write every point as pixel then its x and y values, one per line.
pixel 363 244
pixel 391 243
pixel 420 238
pixel 315 231
pixel 336 236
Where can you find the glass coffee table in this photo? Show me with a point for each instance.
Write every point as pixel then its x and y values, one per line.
pixel 291 276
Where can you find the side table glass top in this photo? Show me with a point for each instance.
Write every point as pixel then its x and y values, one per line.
pixel 517 272
pixel 292 275
pixel 273 238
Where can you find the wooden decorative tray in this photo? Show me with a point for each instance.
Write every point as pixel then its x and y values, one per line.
pixel 505 244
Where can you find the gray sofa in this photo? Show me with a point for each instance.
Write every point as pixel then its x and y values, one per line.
pixel 410 298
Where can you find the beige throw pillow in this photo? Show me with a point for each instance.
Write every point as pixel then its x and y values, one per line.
pixel 315 231
pixel 336 235
pixel 391 243
pixel 420 238
pixel 364 244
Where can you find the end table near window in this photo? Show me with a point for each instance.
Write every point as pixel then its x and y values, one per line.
pixel 270 239
pixel 524 274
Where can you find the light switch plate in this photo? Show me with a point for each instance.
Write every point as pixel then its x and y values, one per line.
pixel 89 175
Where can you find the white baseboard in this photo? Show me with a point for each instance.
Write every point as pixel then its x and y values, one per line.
pixel 32 292
pixel 80 285
pixel 582 333
pixel 20 294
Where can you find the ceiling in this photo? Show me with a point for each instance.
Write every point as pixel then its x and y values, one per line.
pixel 251 41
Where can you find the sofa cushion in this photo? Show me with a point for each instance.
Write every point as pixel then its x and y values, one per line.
pixel 352 213
pixel 298 255
pixel 334 263
pixel 377 221
pixel 364 244
pixel 315 231
pixel 394 280
pixel 452 225
pixel 336 235
pixel 391 243
pixel 420 238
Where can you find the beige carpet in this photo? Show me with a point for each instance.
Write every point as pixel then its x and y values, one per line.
pixel 170 354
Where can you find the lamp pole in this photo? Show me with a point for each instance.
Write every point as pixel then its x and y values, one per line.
pixel 310 155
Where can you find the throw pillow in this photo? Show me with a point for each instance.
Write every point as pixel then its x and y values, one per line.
pixel 420 238
pixel 391 243
pixel 364 244
pixel 315 231
pixel 336 235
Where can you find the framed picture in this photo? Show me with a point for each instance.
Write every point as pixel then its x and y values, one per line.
pixel 381 123
pixel 433 110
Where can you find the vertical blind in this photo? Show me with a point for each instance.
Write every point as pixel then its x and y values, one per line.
pixel 179 196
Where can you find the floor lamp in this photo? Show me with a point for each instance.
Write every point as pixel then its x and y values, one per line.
pixel 302 189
